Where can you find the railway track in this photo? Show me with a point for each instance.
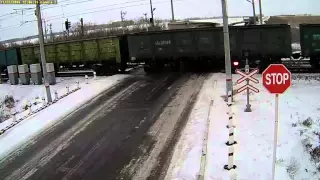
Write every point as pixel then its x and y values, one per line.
pixel 79 73
pixel 294 67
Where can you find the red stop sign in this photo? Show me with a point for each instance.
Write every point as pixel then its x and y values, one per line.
pixel 276 78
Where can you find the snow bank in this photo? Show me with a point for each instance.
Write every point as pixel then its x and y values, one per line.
pixel 187 155
pixel 38 122
pixel 254 134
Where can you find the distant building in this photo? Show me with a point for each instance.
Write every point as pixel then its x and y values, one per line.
pixel 190 24
pixel 214 22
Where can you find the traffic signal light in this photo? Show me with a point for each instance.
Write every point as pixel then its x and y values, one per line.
pixel 81 21
pixel 68 24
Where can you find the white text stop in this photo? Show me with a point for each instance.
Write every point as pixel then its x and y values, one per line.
pixel 277 78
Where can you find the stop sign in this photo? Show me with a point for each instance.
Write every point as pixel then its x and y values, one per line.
pixel 276 78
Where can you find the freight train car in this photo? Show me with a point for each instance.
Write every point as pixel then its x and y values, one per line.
pixel 173 47
pixel 310 43
pixel 102 55
pixel 9 57
pixel 266 43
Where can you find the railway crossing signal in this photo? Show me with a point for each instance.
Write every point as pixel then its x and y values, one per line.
pixel 248 86
pixel 276 79
pixel 247 76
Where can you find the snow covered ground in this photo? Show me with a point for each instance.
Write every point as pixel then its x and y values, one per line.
pixel 299 127
pixel 39 121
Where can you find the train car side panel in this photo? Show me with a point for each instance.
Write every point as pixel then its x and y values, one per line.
pixel 162 44
pixel 184 44
pixel 248 39
pixel 62 50
pixel 75 51
pixel 310 43
pixel 277 41
pixel 219 39
pixel 310 39
pixel 27 55
pixel 124 52
pixel 90 50
pixel 116 47
pixel 36 50
pixel 140 47
pixel 51 53
pixel 107 50
pixel 206 43
pixel 3 61
pixel 13 56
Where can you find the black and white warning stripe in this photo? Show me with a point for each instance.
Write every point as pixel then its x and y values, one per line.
pixel 231 142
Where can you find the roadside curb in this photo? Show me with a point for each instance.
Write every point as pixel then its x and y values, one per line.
pixel 203 163
pixel 14 123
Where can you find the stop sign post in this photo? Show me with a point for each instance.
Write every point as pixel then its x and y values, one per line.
pixel 276 79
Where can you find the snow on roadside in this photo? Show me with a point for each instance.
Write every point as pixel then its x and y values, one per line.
pixel 299 128
pixel 186 160
pixel 45 118
pixel 28 93
pixel 24 95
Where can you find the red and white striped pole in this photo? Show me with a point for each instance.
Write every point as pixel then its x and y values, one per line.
pixel 231 142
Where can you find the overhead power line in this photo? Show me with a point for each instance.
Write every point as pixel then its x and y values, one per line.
pixel 52 18
pixel 129 6
pixel 110 5
pixel 45 6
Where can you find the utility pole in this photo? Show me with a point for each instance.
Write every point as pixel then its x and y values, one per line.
pixel 51 35
pixel 45 30
pixel 254 10
pixel 82 29
pixel 42 53
pixel 227 49
pixel 260 8
pixel 152 20
pixel 122 19
pixel 172 11
pixel 145 17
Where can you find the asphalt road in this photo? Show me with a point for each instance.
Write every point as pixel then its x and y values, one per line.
pixel 101 139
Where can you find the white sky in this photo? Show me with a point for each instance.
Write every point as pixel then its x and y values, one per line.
pixel 9 25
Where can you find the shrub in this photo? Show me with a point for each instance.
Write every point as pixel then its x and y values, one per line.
pixel 315 154
pixel 9 101
pixel 293 167
pixel 308 122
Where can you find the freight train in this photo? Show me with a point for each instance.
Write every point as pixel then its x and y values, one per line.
pixel 103 55
pixel 178 49
pixel 194 47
